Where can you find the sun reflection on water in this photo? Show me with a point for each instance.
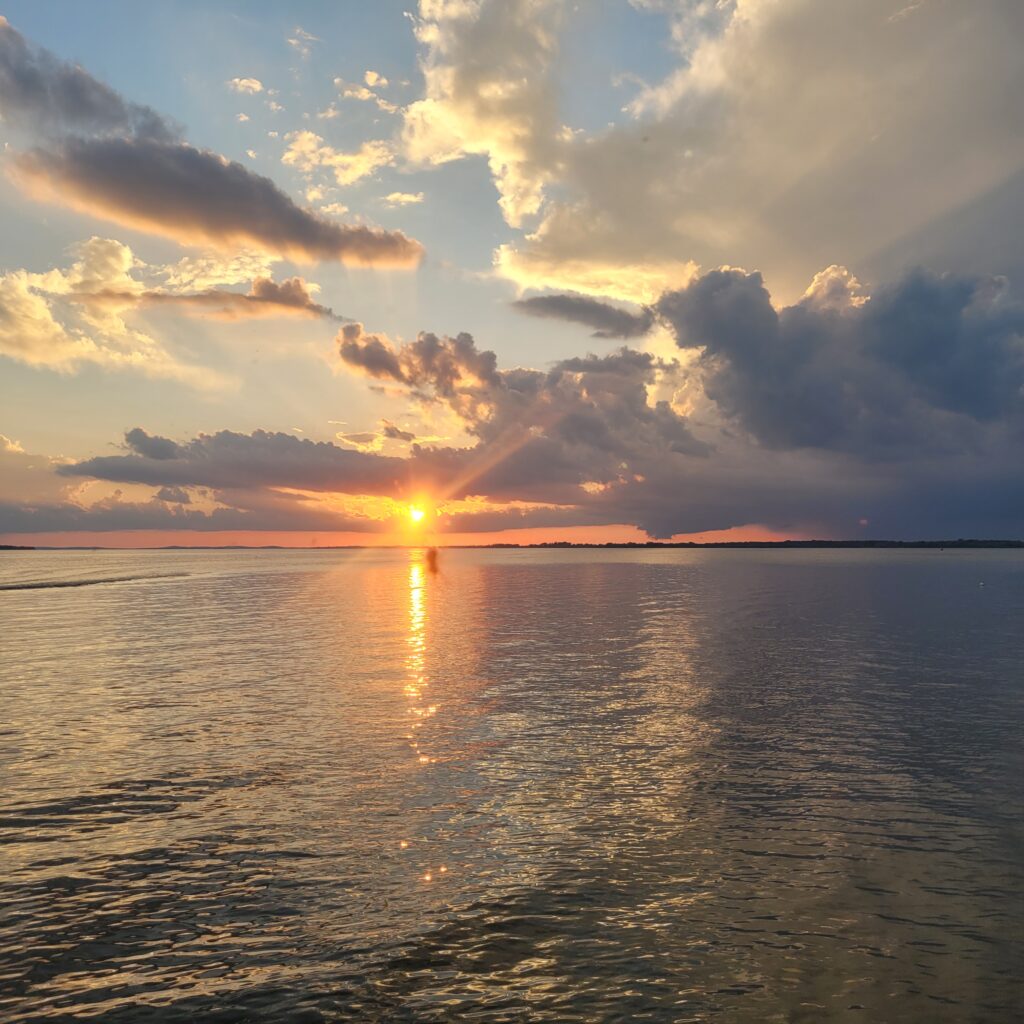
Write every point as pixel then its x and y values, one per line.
pixel 416 672
pixel 416 658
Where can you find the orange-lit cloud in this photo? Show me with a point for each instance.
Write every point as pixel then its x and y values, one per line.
pixel 614 534
pixel 197 197
pixel 265 298
pixel 107 157
pixel 309 153
pixel 43 324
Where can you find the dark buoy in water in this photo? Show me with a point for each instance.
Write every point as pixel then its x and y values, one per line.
pixel 432 559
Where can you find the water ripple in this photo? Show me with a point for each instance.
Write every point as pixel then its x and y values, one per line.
pixel 544 786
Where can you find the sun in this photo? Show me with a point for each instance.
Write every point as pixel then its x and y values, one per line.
pixel 416 514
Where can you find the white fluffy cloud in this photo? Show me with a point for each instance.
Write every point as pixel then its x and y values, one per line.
pixel 250 86
pixel 308 152
pixel 364 93
pixel 40 324
pixel 403 198
pixel 792 134
pixel 66 317
pixel 488 69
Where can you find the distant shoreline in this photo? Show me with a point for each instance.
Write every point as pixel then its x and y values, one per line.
pixel 560 545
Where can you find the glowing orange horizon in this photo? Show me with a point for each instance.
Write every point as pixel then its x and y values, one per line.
pixel 613 534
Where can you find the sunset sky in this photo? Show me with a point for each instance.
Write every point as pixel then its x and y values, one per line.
pixel 605 270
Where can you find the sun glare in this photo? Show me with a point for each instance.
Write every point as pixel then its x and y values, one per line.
pixel 416 514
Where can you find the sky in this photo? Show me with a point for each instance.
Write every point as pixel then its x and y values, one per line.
pixel 595 271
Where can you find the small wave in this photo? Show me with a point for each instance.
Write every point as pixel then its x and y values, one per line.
pixel 51 584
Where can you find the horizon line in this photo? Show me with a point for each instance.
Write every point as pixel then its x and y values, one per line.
pixel 960 542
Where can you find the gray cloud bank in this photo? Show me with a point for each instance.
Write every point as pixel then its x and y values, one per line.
pixel 928 364
pixel 229 460
pixel 607 321
pixel 40 92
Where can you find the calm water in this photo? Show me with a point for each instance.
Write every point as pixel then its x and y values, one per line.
pixel 553 786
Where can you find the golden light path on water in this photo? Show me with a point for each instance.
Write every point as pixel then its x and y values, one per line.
pixel 416 675
pixel 739 786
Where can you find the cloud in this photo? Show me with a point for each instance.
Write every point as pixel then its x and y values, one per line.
pixel 359 92
pixel 43 323
pixel 63 504
pixel 276 512
pixel 490 71
pixel 308 152
pixel 174 495
pixel 266 298
pixel 403 198
pixel 198 198
pixel 302 41
pixel 371 353
pixel 29 478
pixel 928 363
pixel 608 321
pixel 539 435
pixel 442 365
pixel 199 273
pixel 535 436
pixel 151 447
pixel 895 413
pixel 227 460
pixel 731 159
pixel 116 160
pixel 68 317
pixel 393 433
pixel 42 93
pixel 250 86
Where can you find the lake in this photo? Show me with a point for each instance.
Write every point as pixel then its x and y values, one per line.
pixel 536 785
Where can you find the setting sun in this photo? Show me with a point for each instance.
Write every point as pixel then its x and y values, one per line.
pixel 567 451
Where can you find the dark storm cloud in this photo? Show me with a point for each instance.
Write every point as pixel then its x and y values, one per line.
pixel 607 321
pixel 825 494
pixel 197 197
pixel 111 158
pixel 40 92
pixel 930 363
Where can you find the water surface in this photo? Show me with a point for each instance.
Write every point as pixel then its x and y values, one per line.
pixel 737 786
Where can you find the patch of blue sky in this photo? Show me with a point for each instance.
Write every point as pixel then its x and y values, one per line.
pixel 610 49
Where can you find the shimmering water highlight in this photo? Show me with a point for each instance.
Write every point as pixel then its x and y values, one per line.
pixel 737 786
